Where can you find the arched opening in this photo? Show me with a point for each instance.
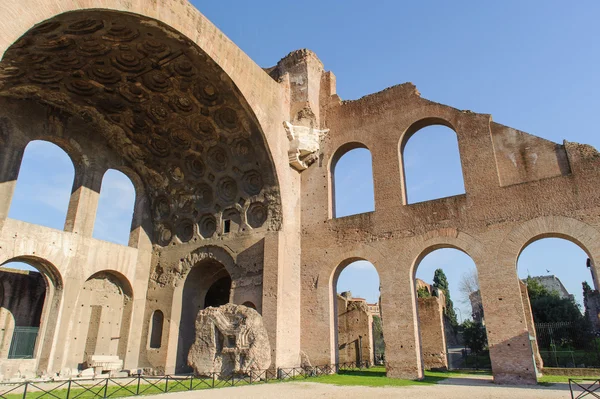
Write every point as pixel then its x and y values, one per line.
pixel 31 291
pixel 431 165
pixel 352 190
pixel 44 185
pixel 156 329
pixel 104 310
pixel 115 208
pixel 207 284
pixel 357 324
pixel 249 304
pixel 561 302
pixel 450 312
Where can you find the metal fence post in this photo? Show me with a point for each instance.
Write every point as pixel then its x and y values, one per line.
pixel 25 390
pixel 167 384
pixel 191 383
pixel 137 390
pixel 69 389
pixel 105 387
pixel 213 380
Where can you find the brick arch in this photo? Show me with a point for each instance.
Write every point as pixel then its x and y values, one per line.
pixel 579 233
pixel 444 118
pixel 332 294
pixel 342 150
pixel 445 238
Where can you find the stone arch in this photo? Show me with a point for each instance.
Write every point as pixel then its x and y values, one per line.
pixel 411 131
pixel 337 155
pixel 202 270
pixel 579 233
pixel 166 107
pixel 427 312
pixel 104 307
pixel 445 238
pixel 333 305
pixel 50 313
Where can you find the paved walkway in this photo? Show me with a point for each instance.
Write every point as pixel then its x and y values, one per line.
pixel 452 388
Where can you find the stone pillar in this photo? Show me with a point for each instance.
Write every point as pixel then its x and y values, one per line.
pixel 433 339
pixel 83 204
pixel 281 300
pixel 508 336
pixel 10 163
pixel 400 326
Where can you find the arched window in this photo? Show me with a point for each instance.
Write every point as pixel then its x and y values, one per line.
pixel 156 329
pixel 447 295
pixel 357 319
pixel 431 164
pixel 115 208
pixel 562 301
pixel 44 186
pixel 352 181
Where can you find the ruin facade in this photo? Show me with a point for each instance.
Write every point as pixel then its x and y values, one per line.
pixel 233 169
pixel 355 330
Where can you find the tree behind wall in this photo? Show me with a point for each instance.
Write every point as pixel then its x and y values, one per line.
pixel 441 282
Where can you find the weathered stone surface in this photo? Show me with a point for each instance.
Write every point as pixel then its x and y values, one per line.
pixel 230 339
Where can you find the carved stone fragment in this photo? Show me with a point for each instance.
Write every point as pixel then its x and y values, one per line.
pixel 230 340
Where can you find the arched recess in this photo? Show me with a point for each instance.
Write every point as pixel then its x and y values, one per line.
pixel 351 318
pixel 430 163
pixel 249 304
pixel 114 217
pixel 44 185
pixel 156 330
pixel 164 105
pixel 207 284
pixel 446 293
pixel 31 300
pixel 104 309
pixel 351 180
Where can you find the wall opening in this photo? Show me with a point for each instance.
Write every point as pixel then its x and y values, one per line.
pixel 30 291
pixel 561 302
pixel 207 284
pixel 352 190
pixel 44 185
pixel 431 164
pixel 156 329
pixel 450 312
pixel 249 304
pixel 357 326
pixel 115 208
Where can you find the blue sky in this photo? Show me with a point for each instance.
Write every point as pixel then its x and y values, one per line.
pixel 533 65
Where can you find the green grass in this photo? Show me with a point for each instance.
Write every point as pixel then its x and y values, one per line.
pixel 374 377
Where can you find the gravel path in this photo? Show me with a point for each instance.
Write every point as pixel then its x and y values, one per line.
pixel 454 388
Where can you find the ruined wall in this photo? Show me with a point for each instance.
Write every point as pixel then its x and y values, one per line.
pixel 355 330
pixel 433 338
pixel 492 222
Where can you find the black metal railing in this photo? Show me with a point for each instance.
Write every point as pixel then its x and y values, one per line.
pixel 581 388
pixel 137 385
pixel 566 344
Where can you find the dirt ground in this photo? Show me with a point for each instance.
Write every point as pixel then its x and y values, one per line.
pixel 454 388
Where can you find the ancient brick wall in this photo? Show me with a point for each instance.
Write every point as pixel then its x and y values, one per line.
pixel 433 337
